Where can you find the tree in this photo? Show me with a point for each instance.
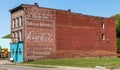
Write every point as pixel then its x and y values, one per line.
pixel 118 28
pixel 117 17
pixel 0 49
pixel 7 36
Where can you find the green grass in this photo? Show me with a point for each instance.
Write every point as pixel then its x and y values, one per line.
pixel 1 59
pixel 81 62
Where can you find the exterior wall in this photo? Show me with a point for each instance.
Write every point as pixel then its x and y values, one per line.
pixel 16 27
pixel 51 33
pixel 17 33
pixel 39 33
pixel 80 35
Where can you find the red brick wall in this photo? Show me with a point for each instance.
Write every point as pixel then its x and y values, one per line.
pixel 39 33
pixel 51 33
pixel 80 35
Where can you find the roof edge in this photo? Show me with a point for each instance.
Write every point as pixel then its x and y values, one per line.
pixel 16 8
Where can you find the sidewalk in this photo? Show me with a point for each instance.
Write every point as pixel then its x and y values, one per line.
pixel 66 67
pixel 77 68
pixel 2 69
pixel 5 62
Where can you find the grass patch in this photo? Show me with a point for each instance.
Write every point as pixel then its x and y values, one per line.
pixel 80 62
pixel 1 58
pixel 40 66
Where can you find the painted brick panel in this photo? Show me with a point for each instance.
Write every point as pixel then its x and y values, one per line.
pixel 39 33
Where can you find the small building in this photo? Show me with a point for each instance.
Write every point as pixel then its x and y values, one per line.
pixel 5 43
pixel 46 33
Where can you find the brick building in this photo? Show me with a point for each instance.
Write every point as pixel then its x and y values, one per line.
pixel 45 33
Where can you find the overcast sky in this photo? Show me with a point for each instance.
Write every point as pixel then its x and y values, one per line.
pixel 104 8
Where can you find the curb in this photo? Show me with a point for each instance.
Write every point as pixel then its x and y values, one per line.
pixel 65 67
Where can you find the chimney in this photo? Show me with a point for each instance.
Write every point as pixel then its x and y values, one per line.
pixel 35 4
pixel 69 10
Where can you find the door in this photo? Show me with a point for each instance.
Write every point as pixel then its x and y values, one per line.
pixel 13 48
pixel 20 52
pixel 17 51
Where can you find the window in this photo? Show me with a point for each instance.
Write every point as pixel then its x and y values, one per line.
pixel 13 23
pixel 20 35
pixel 12 51
pixel 103 37
pixel 102 25
pixel 20 21
pixel 20 52
pixel 16 22
pixel 13 36
pixel 16 36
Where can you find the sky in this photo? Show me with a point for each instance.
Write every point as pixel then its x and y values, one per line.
pixel 103 8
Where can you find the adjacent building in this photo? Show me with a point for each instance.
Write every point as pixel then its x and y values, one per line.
pixel 5 44
pixel 46 33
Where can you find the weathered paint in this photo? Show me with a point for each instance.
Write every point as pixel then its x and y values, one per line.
pixel 52 33
pixel 13 49
pixel 17 52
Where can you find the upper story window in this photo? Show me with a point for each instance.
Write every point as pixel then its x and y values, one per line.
pixel 102 25
pixel 20 21
pixel 16 36
pixel 13 23
pixel 20 35
pixel 103 36
pixel 16 22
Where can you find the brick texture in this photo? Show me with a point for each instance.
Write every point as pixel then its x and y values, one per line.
pixel 52 33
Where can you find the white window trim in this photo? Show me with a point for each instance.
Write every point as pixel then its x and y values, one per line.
pixel 20 21
pixel 13 23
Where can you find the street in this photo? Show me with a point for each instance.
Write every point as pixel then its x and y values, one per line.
pixel 11 67
pixel 4 66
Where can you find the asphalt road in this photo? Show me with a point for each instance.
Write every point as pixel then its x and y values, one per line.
pixel 3 65
pixel 10 67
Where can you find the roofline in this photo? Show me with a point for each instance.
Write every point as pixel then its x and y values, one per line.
pixel 16 8
pixel 69 10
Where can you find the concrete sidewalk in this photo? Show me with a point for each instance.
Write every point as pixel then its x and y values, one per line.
pixel 77 68
pixel 5 62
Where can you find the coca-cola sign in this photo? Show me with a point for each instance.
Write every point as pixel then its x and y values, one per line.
pixel 38 36
pixel 39 32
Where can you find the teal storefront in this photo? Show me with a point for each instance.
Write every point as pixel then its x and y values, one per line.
pixel 17 51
